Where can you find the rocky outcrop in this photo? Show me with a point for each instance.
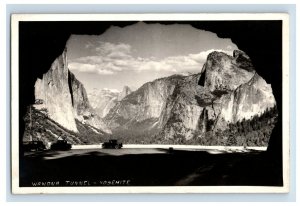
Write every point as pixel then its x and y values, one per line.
pixel 53 94
pixel 251 98
pixel 183 113
pixel 225 73
pixel 241 94
pixel 63 98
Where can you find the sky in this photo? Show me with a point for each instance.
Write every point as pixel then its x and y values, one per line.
pixel 140 53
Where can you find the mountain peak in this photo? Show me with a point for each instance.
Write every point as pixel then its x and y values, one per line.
pixel 126 90
pixel 218 56
pixel 226 73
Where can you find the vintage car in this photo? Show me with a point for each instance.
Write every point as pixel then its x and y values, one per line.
pixel 112 144
pixel 34 146
pixel 61 145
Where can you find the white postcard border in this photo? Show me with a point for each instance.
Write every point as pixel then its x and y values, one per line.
pixel 15 18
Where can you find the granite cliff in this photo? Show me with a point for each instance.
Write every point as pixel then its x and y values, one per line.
pixel 63 98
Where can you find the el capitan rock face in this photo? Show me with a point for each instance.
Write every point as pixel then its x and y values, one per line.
pixel 54 93
pixel 64 99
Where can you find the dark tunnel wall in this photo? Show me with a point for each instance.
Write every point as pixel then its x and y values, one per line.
pixel 41 42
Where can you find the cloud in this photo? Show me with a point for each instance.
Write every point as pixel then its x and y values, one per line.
pixel 201 57
pixel 113 50
pixel 112 58
pixel 89 59
pixel 170 64
pixel 89 68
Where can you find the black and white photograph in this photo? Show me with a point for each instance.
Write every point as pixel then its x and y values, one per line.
pixel 150 103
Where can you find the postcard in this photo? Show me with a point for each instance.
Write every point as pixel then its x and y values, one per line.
pixel 150 103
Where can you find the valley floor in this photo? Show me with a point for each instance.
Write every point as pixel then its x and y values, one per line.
pixel 149 167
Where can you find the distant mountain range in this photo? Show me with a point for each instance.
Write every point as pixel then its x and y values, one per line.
pixel 105 99
pixel 226 103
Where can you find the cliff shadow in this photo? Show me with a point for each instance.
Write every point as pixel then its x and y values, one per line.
pixel 178 168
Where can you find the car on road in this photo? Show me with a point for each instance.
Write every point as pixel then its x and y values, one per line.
pixel 61 145
pixel 33 146
pixel 112 144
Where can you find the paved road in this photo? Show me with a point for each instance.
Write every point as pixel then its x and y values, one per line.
pixel 49 154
